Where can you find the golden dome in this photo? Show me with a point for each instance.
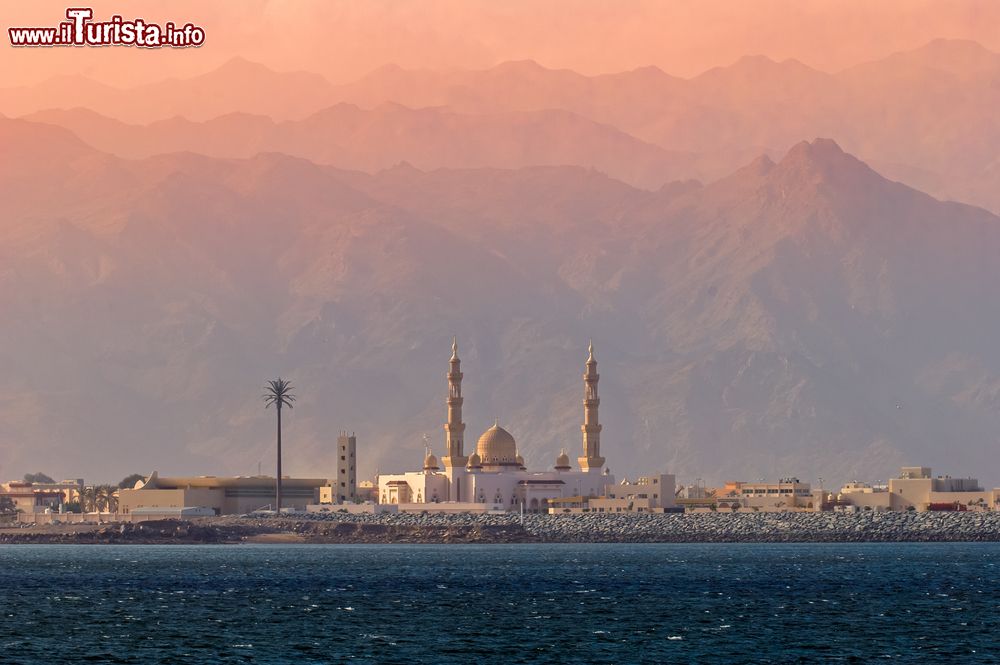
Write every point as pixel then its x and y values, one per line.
pixel 431 462
pixel 475 462
pixel 497 447
pixel 562 462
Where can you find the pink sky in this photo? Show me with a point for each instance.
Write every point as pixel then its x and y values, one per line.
pixel 345 39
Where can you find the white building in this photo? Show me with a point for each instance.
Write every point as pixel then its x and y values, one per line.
pixel 494 476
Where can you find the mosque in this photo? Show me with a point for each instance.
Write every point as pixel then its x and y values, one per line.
pixel 494 477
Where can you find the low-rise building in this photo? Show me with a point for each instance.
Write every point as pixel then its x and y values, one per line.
pixel 788 494
pixel 27 498
pixel 648 494
pixel 224 495
pixel 917 489
pixel 367 492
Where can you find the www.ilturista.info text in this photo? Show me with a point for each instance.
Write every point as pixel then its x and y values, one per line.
pixel 82 30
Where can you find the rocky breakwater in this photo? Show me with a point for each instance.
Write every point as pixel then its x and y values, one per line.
pixel 152 532
pixel 747 527
pixel 430 528
pixel 402 529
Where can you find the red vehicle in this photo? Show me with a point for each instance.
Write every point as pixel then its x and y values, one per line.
pixel 956 506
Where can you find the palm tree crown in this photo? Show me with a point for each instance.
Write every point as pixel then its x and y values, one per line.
pixel 279 393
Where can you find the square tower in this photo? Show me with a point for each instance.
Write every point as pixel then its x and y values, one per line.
pixel 346 487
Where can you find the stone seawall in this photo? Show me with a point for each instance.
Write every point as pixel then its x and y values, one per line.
pixel 712 527
pixel 335 527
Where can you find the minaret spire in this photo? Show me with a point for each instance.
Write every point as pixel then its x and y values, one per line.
pixel 454 428
pixel 591 428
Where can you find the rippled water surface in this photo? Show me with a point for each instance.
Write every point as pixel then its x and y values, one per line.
pixel 509 604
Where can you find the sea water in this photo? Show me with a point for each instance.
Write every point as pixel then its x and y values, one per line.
pixel 500 604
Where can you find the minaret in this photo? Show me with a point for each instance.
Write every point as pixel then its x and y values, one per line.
pixel 454 428
pixel 591 459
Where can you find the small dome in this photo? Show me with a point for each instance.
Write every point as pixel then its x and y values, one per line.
pixel 431 462
pixel 475 462
pixel 497 447
pixel 562 462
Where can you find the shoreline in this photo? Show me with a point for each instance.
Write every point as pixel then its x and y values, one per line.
pixel 340 528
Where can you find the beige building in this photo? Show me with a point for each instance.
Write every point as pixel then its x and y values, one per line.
pixel 786 495
pixel 223 495
pixel 494 477
pixel 648 494
pixel 39 497
pixel 917 489
pixel 367 492
pixel 28 499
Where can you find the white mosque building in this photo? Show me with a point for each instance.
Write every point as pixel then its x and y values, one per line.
pixel 494 476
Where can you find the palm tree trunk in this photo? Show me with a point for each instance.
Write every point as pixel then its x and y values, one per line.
pixel 277 489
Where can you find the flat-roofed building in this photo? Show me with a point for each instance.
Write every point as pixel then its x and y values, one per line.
pixel 224 495
pixel 786 494
pixel 917 489
pixel 647 494
pixel 27 498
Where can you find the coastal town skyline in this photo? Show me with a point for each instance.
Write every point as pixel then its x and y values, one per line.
pixel 239 210
pixel 447 448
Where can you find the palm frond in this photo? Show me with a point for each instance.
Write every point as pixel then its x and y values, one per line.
pixel 278 392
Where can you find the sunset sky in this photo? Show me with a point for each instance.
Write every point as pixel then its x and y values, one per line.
pixel 344 40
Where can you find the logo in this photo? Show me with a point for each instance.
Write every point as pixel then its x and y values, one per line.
pixel 81 30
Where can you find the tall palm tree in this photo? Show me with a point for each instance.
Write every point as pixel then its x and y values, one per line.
pixel 100 499
pixel 107 499
pixel 88 499
pixel 278 393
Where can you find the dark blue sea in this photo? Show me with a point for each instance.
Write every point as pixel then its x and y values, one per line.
pixel 500 604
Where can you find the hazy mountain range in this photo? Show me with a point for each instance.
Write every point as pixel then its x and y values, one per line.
pixel 757 311
pixel 800 317
pixel 925 117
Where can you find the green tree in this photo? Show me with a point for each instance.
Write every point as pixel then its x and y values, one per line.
pixel 101 498
pixel 6 505
pixel 38 477
pixel 108 498
pixel 88 499
pixel 278 393
pixel 129 481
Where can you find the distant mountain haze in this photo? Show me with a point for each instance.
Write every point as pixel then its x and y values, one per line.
pixel 923 117
pixel 353 138
pixel 803 316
